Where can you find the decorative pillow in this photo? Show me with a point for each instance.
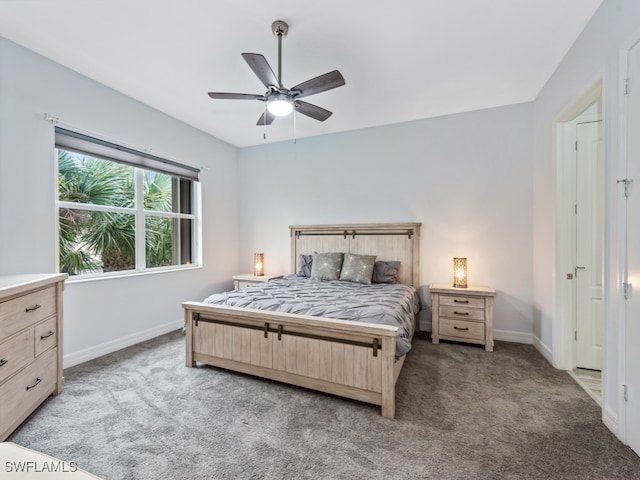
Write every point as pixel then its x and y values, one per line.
pixel 304 265
pixel 357 268
pixel 326 266
pixel 385 272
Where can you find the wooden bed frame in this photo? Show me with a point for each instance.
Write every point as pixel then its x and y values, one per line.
pixel 350 359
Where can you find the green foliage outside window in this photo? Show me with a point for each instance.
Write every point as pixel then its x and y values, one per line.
pixel 94 241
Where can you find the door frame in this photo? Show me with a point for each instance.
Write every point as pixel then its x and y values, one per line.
pixel 564 138
pixel 622 243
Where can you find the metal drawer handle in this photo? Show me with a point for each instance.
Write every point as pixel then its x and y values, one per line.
pixel 461 328
pixel 31 309
pixel 38 380
pixel 461 313
pixel 3 361
pixel 460 301
pixel 51 332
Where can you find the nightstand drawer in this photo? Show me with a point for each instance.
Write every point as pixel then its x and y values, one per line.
pixel 244 283
pixel 462 329
pixel 461 301
pixel 461 313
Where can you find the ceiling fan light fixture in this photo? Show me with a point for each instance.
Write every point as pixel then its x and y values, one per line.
pixel 280 105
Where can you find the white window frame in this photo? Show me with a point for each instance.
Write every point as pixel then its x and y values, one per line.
pixel 140 214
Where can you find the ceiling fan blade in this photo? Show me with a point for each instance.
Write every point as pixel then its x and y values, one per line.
pixel 313 111
pixel 236 96
pixel 266 118
pixel 261 68
pixel 320 84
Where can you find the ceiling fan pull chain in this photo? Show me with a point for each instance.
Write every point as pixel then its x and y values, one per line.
pixel 295 132
pixel 264 122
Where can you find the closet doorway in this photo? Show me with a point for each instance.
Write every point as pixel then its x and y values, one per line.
pixel 580 241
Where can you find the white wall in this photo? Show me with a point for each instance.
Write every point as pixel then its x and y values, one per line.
pixel 466 177
pixel 102 315
pixel 595 54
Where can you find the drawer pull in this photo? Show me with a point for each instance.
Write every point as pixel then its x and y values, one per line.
pixel 461 328
pixel 461 313
pixel 38 380
pixel 51 332
pixel 455 300
pixel 31 309
pixel 3 361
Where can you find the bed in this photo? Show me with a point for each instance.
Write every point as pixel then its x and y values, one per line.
pixel 259 330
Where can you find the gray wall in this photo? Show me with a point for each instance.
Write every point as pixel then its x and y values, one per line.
pixel 595 54
pixel 104 314
pixel 466 177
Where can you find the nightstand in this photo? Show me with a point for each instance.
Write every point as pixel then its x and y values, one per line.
pixel 246 279
pixel 462 314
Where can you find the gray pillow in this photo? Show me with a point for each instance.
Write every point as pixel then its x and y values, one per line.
pixel 326 266
pixel 357 268
pixel 304 265
pixel 385 272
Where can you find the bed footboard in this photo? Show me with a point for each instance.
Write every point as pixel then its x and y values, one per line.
pixel 349 359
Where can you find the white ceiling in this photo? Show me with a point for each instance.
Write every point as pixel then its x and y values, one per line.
pixel 402 60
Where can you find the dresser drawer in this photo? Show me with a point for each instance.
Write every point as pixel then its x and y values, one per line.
pixel 462 329
pixel 20 312
pixel 15 353
pixel 22 393
pixel 461 301
pixel 462 313
pixel 45 335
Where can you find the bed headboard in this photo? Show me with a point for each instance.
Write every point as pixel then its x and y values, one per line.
pixel 388 241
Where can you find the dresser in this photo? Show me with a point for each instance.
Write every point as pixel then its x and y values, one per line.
pixel 30 345
pixel 462 314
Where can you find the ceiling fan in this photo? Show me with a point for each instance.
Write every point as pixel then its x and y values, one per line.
pixel 281 101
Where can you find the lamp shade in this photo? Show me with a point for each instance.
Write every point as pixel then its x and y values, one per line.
pixel 460 272
pixel 258 264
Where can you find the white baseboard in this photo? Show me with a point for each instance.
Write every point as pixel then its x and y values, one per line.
pixel 75 358
pixel 543 349
pixel 515 337
pixel 610 419
pixel 500 335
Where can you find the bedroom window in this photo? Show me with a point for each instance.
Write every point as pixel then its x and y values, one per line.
pixel 122 210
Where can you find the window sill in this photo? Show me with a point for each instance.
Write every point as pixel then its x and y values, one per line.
pixel 128 274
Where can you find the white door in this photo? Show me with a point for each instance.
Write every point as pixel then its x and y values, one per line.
pixel 589 212
pixel 632 334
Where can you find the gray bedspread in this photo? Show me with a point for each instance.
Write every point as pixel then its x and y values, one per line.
pixel 387 304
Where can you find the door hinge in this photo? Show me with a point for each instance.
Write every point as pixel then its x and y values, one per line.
pixel 626 182
pixel 575 335
pixel 627 290
pixel 575 209
pixel 576 145
pixel 625 393
pixel 625 86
